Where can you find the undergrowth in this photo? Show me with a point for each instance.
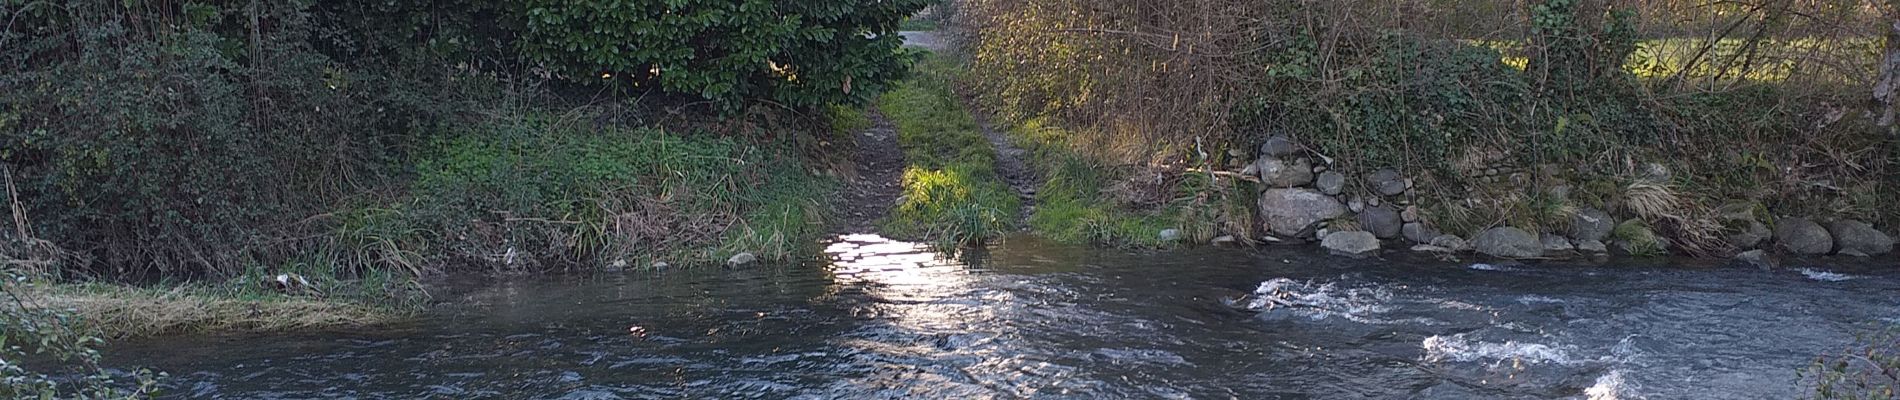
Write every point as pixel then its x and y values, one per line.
pixel 540 191
pixel 952 192
pixel 1072 206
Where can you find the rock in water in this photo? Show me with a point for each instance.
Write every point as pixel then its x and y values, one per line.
pixel 1508 242
pixel 1170 235
pixel 742 259
pixel 1381 221
pixel 1418 232
pixel 1331 183
pixel 1591 224
pixel 1350 243
pixel 1278 173
pixel 1279 146
pixel 1555 245
pixel 1450 242
pixel 1387 182
pixel 1855 238
pixel 1751 234
pixel 1756 258
pixel 1804 237
pixel 1293 212
pixel 1593 246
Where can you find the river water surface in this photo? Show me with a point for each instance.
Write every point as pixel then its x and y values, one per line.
pixel 888 320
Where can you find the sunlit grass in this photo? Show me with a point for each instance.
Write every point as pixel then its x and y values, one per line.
pixel 1775 60
pixel 951 190
pixel 1070 206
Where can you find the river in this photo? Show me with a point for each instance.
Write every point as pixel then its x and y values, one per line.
pixel 1027 319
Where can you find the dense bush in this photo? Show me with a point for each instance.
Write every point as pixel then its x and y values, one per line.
pixel 1743 103
pixel 800 53
pixel 180 147
pixel 208 137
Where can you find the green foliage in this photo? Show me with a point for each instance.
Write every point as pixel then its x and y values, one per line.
pixel 800 53
pixel 1641 240
pixel 846 121
pixel 1072 208
pixel 185 148
pixel 208 138
pixel 952 192
pixel 56 336
pixel 537 182
pixel 1413 104
pixel 1867 370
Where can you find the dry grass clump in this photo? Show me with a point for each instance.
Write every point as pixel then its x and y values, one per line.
pixel 1652 201
pixel 121 312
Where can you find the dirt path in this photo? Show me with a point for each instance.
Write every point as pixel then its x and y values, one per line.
pixel 880 169
pixel 1009 164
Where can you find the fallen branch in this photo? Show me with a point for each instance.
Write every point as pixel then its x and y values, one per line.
pixel 1229 174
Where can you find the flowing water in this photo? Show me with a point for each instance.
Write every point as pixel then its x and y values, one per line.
pixel 1030 320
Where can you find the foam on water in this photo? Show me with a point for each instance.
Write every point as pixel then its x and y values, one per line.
pixel 1487 267
pixel 1536 299
pixel 1321 301
pixel 1825 276
pixel 1613 386
pixel 1456 348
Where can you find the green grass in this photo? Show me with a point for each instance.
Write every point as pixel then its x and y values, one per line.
pixel 1642 241
pixel 951 190
pixel 543 191
pixel 1071 208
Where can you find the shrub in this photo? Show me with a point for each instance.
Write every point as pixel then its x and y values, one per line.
pixel 800 53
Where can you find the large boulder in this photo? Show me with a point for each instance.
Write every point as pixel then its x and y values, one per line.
pixel 1508 242
pixel 1418 232
pixel 1591 224
pixel 1331 183
pixel 1382 221
pixel 1592 247
pixel 1279 173
pixel 1855 238
pixel 1749 233
pixel 1387 182
pixel 1350 243
pixel 1294 212
pixel 1279 146
pixel 1804 237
